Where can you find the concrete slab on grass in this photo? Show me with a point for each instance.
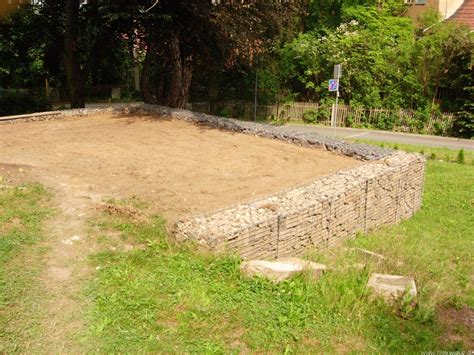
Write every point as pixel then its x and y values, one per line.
pixel 392 287
pixel 281 269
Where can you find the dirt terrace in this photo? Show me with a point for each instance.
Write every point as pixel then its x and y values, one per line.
pixel 179 167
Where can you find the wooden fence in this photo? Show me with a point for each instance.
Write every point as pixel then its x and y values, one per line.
pixel 395 120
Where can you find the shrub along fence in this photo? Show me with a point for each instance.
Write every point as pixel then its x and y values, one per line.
pixel 21 101
pixel 17 102
pixel 393 120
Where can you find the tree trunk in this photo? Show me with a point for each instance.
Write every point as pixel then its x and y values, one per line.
pixel 71 56
pixel 186 82
pixel 213 86
pixel 436 90
pixel 181 75
pixel 175 92
pixel 176 72
pixel 145 84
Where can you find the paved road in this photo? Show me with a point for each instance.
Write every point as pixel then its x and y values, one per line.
pixel 393 137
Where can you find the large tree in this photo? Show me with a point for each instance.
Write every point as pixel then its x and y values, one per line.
pixel 443 57
pixel 91 32
pixel 374 48
pixel 80 37
pixel 75 78
pixel 170 40
pixel 21 49
pixel 188 34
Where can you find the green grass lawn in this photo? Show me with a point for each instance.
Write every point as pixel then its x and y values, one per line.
pixel 171 299
pixel 23 210
pixel 432 153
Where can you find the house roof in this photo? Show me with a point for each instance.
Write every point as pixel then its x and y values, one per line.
pixel 465 14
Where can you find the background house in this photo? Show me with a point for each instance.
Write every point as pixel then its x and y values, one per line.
pixel 458 10
pixel 465 14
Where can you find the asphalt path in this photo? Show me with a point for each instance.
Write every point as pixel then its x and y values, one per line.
pixel 392 137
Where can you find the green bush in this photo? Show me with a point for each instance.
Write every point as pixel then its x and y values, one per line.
pixel 350 121
pixel 15 103
pixel 386 121
pixel 322 113
pixel 438 129
pixel 463 125
pixel 224 112
pixel 310 116
pixel 460 158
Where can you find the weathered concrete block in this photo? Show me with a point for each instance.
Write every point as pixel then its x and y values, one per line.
pixel 392 287
pixel 281 269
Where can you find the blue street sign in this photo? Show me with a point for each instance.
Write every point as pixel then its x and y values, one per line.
pixel 333 85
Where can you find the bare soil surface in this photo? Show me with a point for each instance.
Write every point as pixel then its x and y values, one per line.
pixel 458 325
pixel 179 167
pixel 69 246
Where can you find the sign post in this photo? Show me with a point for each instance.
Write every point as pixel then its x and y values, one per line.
pixel 334 87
